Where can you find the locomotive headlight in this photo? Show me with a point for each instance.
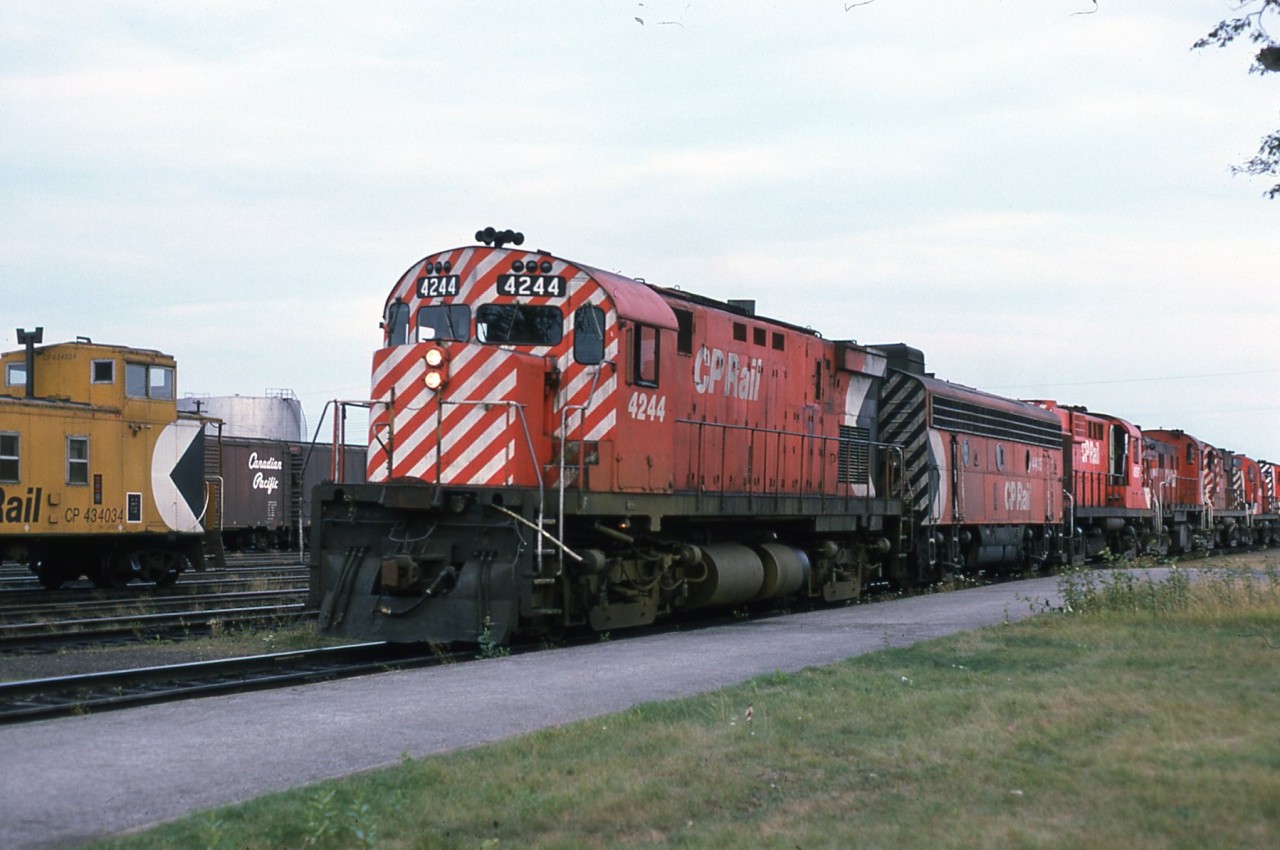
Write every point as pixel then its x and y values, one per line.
pixel 437 368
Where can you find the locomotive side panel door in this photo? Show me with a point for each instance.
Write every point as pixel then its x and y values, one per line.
pixel 643 453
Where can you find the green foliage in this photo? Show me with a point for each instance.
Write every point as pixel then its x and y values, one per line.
pixel 322 819
pixel 1250 24
pixel 489 646
pixel 1116 591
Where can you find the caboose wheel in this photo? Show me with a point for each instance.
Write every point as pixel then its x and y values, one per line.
pixel 116 571
pixel 160 566
pixel 50 576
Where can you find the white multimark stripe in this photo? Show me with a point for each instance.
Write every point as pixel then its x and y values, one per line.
pixel 458 426
pixel 604 427
pixel 483 443
pixel 499 464
pixel 469 388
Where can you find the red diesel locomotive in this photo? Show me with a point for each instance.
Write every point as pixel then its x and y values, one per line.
pixel 1109 505
pixel 552 445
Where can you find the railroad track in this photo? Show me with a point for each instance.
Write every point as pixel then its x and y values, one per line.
pixel 139 626
pixel 66 695
pixel 257 589
pixel 17 578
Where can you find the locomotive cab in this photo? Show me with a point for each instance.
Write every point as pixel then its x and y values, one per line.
pixel 510 386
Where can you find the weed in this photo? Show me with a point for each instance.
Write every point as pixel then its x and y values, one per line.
pixel 489 646
pixel 322 818
pixel 362 823
pixel 1087 591
pixel 213 832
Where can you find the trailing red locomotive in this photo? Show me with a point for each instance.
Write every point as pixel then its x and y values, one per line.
pixel 1109 505
pixel 552 445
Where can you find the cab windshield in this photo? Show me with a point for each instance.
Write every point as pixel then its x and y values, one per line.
pixel 519 324
pixel 444 321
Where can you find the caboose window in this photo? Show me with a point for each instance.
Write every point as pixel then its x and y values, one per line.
pixel 77 460
pixel 135 380
pixel 644 358
pixel 143 381
pixel 104 372
pixel 588 334
pixel 519 324
pixel 10 468
pixel 444 321
pixel 15 374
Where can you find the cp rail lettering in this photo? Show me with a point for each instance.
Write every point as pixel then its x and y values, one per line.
pixel 14 509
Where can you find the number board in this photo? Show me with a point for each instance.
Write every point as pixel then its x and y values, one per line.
pixel 438 286
pixel 551 285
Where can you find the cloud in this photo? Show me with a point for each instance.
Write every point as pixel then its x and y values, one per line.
pixel 1031 197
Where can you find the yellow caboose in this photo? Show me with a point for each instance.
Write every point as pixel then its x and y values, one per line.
pixel 100 475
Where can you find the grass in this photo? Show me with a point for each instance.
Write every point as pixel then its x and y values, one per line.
pixel 1135 716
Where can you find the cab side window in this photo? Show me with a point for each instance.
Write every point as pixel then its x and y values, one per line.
pixel 644 356
pixel 588 334
pixel 397 323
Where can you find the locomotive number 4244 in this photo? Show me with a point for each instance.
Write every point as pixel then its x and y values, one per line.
pixel 647 406
pixel 531 284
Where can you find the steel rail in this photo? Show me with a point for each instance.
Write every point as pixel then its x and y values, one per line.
pixel 146 626
pixel 80 694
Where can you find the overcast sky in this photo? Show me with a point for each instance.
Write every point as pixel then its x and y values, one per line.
pixel 1040 200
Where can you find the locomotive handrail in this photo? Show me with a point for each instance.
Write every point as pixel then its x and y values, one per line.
pixel 564 440
pixel 533 459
